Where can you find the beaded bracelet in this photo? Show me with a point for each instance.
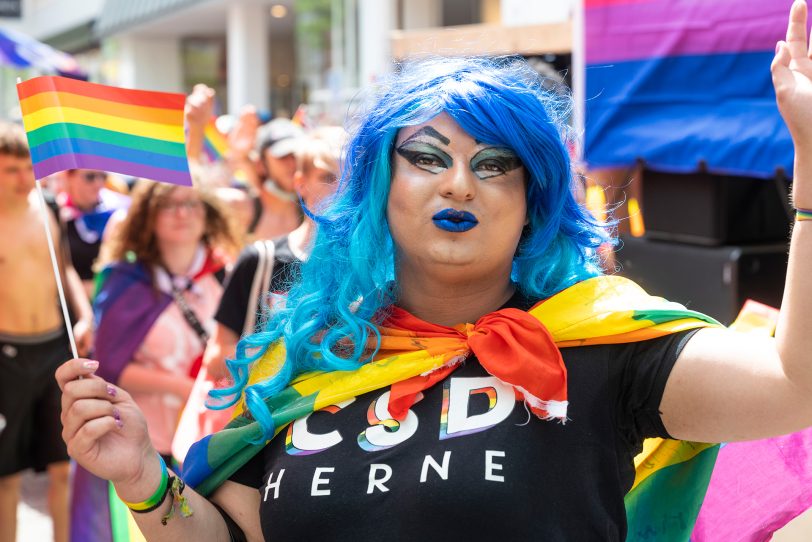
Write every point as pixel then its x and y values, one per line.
pixel 157 498
pixel 803 214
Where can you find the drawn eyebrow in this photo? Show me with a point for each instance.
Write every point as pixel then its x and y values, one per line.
pixel 431 132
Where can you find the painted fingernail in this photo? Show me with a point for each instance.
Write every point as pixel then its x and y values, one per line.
pixel 119 423
pixel 116 414
pixel 111 391
pixel 777 47
pixel 90 364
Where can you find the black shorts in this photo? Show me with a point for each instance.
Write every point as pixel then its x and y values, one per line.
pixel 30 401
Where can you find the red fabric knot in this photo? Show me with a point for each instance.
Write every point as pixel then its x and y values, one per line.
pixel 510 344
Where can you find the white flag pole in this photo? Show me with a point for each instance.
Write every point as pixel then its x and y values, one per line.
pixel 57 274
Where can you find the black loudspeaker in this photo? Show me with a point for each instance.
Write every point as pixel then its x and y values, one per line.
pixel 706 209
pixel 712 280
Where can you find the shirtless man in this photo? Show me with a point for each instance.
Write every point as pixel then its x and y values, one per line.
pixel 32 340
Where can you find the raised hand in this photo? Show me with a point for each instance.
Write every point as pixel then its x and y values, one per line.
pixel 792 77
pixel 199 105
pixel 199 109
pixel 105 431
pixel 242 136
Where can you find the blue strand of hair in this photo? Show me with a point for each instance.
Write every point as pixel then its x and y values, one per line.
pixel 347 284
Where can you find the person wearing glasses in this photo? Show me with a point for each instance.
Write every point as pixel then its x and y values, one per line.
pixel 166 260
pixel 85 209
pixel 159 284
pixel 263 272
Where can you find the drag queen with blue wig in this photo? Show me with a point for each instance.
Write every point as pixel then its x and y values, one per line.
pixel 451 364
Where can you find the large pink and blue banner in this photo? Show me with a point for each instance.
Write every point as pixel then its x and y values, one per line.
pixel 684 85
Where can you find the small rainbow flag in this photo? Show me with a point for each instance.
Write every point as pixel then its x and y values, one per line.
pixel 215 143
pixel 74 124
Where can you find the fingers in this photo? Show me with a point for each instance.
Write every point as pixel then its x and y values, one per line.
pixel 781 73
pixel 796 30
pixel 91 388
pixel 89 434
pixel 74 369
pixel 84 411
pixel 248 116
pixel 204 90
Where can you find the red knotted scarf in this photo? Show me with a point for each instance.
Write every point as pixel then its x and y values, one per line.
pixel 510 344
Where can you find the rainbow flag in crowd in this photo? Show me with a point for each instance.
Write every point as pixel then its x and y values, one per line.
pixel 685 84
pixel 74 124
pixel 300 117
pixel 215 144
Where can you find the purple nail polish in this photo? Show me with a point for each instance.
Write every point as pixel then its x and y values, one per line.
pixel 111 391
pixel 116 414
pixel 119 424
pixel 90 364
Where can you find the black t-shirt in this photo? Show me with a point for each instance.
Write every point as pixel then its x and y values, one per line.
pixel 234 303
pixel 84 249
pixel 469 462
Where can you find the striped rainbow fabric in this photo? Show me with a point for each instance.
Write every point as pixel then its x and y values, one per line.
pixel 74 124
pixel 685 84
pixel 215 144
pixel 671 478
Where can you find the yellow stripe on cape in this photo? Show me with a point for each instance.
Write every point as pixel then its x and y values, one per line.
pixel 600 310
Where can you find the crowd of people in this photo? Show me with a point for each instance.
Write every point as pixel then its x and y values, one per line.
pixel 145 267
pixel 370 325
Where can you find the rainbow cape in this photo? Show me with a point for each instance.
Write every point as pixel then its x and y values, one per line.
pixel 78 125
pixel 672 476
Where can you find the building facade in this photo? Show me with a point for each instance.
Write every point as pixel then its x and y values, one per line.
pixel 277 54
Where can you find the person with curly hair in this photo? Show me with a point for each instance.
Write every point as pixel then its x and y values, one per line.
pixel 158 286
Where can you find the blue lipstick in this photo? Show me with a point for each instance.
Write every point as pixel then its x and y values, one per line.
pixel 454 221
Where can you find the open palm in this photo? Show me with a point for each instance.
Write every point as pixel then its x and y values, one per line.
pixel 792 77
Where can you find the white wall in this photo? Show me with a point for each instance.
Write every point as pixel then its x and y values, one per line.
pixel 248 56
pixel 45 18
pixel 148 63
pixel 529 12
pixel 422 14
pixel 376 19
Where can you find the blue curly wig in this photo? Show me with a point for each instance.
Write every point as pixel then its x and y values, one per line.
pixel 345 287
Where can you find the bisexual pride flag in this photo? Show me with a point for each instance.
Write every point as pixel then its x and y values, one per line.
pixel 684 83
pixel 78 125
